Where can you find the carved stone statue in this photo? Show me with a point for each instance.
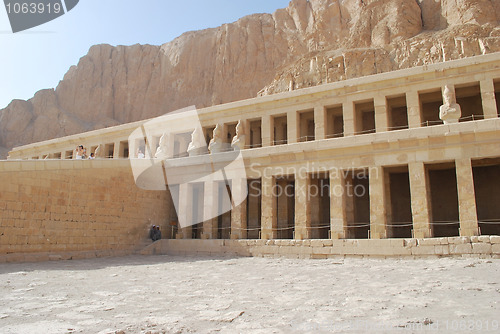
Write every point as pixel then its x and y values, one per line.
pixel 161 151
pixel 238 142
pixel 450 111
pixel 216 143
pixel 197 145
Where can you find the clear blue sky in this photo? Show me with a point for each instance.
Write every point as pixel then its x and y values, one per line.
pixel 38 58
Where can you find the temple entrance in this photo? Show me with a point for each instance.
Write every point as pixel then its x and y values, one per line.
pixel 197 206
pixel 486 174
pixel 399 215
pixel 254 209
pixel 357 185
pixel 319 197
pixel 444 199
pixel 284 192
pixel 224 202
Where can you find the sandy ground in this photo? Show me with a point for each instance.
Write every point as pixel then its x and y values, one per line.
pixel 166 294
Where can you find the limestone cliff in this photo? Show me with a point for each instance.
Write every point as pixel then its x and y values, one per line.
pixel 306 44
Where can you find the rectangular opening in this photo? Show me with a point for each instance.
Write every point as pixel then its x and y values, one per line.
pixel 306 125
pixel 230 133
pixel 486 173
pixel 181 143
pixel 497 95
pixel 68 154
pixel 429 107
pixel 209 133
pixel 173 190
pixel 124 153
pixel 254 209
pixel 285 206
pixel 364 117
pixel 142 148
pixel 357 204
pixel 224 206
pixel 92 150
pixel 319 197
pixel 444 199
pixel 399 215
pixel 280 130
pixel 469 99
pixel 56 155
pixel 398 112
pixel 109 150
pixel 197 206
pixel 255 133
pixel 334 122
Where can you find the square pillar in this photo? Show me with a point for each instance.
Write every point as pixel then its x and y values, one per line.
pixel 348 114
pixel 378 213
pixel 338 205
pixel 302 207
pixel 266 130
pixel 185 211
pixel 488 99
pixel 292 130
pixel 210 209
pixel 116 150
pixel 466 198
pixel 239 210
pixel 413 106
pixel 420 207
pixel 319 122
pixel 381 117
pixel 269 220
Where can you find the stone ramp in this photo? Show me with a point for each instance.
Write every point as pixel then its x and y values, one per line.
pixel 478 246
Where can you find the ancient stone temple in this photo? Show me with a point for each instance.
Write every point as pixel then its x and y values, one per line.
pixel 409 160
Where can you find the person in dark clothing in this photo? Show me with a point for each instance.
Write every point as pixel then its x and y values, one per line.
pixel 157 233
pixel 152 232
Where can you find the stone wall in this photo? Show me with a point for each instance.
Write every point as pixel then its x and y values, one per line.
pixel 477 246
pixel 61 209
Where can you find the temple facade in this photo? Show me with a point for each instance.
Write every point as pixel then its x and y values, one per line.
pixel 413 153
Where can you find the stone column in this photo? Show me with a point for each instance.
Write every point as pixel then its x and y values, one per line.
pixel 378 217
pixel 413 106
pixel 319 122
pixel 302 207
pixel 210 209
pixel 185 211
pixel 488 99
pixel 466 198
pixel 381 117
pixel 268 208
pixel 266 130
pixel 292 130
pixel 348 114
pixel 338 205
pixel 420 207
pixel 239 211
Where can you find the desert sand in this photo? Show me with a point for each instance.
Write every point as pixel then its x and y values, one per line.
pixel 168 294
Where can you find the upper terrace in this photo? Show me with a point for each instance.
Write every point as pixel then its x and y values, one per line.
pixel 396 101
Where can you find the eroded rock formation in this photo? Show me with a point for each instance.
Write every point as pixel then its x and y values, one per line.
pixel 306 44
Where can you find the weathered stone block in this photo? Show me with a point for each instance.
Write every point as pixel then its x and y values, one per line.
pixel 423 250
pixel 495 239
pixel 481 248
pixel 429 242
pixel 484 238
pixel 458 240
pixel 465 248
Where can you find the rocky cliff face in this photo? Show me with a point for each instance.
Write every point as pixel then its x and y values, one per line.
pixel 306 44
